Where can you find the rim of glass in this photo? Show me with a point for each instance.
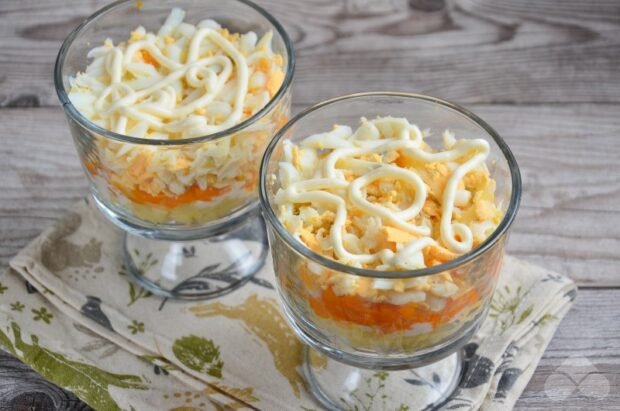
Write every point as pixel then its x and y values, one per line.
pixel 511 211
pixel 77 116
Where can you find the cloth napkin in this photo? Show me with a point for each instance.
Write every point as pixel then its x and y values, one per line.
pixel 68 310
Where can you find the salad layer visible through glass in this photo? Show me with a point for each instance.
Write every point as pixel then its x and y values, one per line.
pixel 379 197
pixel 181 82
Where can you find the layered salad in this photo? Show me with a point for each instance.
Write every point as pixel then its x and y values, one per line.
pixel 181 82
pixel 381 198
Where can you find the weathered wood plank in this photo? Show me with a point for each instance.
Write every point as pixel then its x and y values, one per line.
pixel 22 389
pixel 590 331
pixel 483 51
pixel 569 219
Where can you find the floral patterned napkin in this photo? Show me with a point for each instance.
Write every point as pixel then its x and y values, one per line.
pixel 68 310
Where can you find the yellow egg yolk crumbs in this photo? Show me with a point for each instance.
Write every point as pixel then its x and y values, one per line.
pixel 382 198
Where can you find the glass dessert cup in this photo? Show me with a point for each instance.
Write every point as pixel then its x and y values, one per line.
pixel 207 237
pixel 363 354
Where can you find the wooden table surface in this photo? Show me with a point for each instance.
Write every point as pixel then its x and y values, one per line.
pixel 544 73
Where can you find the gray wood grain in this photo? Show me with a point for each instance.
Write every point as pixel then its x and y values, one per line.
pixel 542 72
pixel 22 389
pixel 590 331
pixel 472 51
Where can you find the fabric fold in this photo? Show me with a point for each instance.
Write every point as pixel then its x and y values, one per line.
pixel 237 349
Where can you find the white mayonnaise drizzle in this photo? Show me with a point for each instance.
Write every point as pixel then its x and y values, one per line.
pixel 330 188
pixel 153 99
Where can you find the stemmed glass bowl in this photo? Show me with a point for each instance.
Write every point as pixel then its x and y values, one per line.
pixel 214 220
pixel 364 340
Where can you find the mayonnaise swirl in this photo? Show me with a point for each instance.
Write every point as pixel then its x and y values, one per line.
pixel 165 83
pixel 156 104
pixel 351 161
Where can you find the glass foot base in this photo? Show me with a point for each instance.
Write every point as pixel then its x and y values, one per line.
pixel 337 386
pixel 198 269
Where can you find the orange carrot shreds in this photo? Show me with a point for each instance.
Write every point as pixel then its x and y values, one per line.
pixel 193 193
pixel 149 59
pixel 386 316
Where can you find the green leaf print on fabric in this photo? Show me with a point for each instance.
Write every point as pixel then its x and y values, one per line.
pixel 3 288
pixel 17 306
pixel 526 313
pixel 6 343
pixel 136 327
pixel 199 354
pixel 505 306
pixel 43 315
pixel 544 320
pixel 86 381
pixel 135 291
